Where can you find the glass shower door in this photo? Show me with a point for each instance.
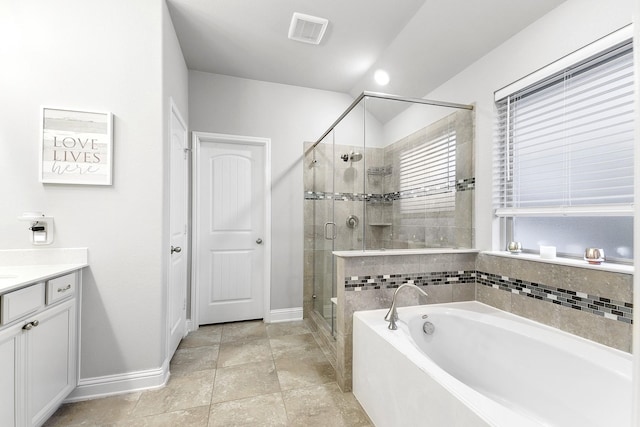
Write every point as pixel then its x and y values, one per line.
pixel 339 199
pixel 324 231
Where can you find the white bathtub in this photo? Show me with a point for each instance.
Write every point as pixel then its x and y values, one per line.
pixel 483 366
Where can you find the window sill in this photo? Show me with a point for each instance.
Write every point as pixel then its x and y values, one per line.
pixel 614 268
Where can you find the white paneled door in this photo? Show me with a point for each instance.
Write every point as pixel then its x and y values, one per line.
pixel 230 225
pixel 178 213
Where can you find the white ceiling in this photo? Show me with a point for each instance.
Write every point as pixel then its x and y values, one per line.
pixel 421 43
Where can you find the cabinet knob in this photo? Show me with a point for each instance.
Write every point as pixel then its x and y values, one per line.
pixel 66 288
pixel 177 249
pixel 259 241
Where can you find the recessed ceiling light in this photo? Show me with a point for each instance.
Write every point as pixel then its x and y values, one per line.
pixel 381 77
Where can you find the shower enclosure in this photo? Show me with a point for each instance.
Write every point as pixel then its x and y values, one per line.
pixel 390 173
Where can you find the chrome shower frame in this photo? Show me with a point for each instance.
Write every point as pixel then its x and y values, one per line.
pixel 379 95
pixel 323 311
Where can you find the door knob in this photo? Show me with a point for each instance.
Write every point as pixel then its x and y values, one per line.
pixel 177 249
pixel 259 241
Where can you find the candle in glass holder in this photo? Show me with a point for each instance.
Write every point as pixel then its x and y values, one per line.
pixel 514 247
pixel 594 255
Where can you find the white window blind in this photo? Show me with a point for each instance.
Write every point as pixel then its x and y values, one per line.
pixel 565 144
pixel 428 175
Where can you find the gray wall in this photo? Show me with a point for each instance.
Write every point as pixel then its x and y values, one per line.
pixel 105 56
pixel 572 25
pixel 175 87
pixel 289 115
pixel 123 58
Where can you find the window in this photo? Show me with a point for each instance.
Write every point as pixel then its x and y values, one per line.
pixel 564 157
pixel 428 175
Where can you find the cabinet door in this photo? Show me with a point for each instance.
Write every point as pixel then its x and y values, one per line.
pixel 10 372
pixel 51 360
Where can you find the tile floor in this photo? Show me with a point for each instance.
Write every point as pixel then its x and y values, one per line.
pixel 235 374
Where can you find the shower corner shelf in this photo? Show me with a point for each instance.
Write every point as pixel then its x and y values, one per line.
pixel 379 171
pixel 380 224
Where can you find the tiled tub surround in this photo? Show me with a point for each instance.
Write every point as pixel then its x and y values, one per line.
pixel 591 303
pixel 588 302
pixel 611 309
pixel 389 281
pixel 446 277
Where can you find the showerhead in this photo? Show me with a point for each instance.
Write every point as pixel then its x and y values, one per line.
pixel 353 157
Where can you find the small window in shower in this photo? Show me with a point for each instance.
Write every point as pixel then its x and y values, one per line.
pixel 428 175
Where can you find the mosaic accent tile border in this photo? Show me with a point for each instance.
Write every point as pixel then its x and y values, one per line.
pixel 461 185
pixel 350 197
pixel 390 281
pixel 601 306
pixel 466 184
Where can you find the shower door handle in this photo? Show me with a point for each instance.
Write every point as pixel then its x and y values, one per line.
pixel 326 229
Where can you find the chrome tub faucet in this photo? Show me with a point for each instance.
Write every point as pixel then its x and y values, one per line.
pixel 392 314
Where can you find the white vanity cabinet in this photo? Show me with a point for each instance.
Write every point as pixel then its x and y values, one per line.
pixel 38 350
pixel 51 360
pixel 10 373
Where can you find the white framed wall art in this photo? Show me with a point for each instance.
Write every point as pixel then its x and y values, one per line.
pixel 76 147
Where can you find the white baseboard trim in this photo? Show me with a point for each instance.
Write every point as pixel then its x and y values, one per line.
pixel 285 315
pixel 108 385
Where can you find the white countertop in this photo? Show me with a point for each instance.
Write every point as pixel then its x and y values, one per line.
pixel 25 266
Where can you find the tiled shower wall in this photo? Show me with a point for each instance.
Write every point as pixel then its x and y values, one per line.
pixel 321 183
pixel 591 303
pixel 441 228
pixel 370 189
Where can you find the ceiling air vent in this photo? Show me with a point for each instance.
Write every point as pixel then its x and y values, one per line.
pixel 307 28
